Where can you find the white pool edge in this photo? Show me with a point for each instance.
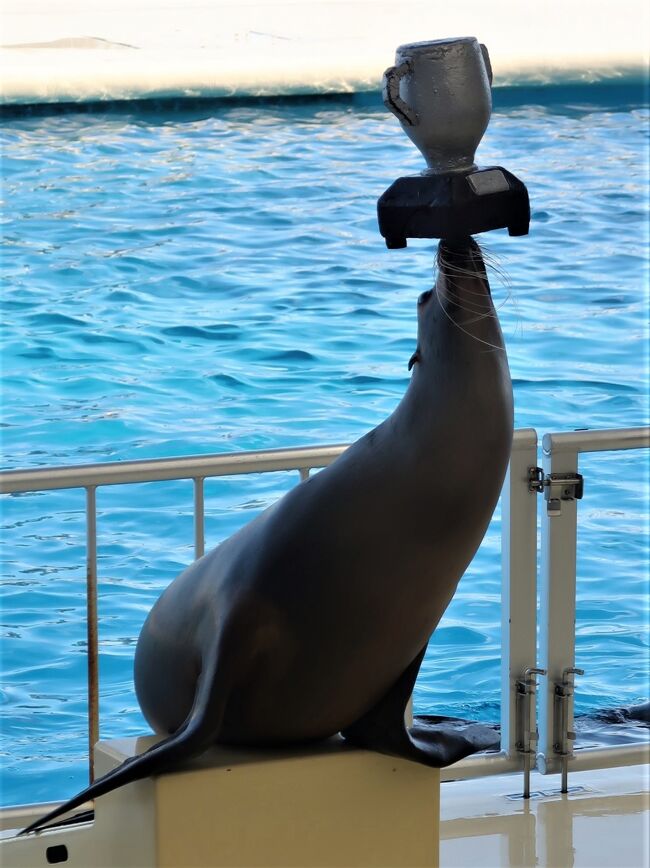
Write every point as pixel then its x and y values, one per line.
pixel 72 51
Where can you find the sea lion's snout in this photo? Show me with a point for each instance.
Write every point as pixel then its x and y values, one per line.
pixel 466 308
pixel 460 258
pixel 458 246
pixel 458 252
pixel 424 297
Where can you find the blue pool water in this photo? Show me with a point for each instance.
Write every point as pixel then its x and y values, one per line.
pixel 212 280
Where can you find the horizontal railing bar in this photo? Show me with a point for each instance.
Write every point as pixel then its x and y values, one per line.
pixel 588 759
pixel 185 467
pixel 604 440
pixel 592 758
pixel 165 469
pixel 482 766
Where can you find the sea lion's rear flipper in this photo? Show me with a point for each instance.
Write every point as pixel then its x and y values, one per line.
pixel 458 738
pixel 197 733
pixel 383 729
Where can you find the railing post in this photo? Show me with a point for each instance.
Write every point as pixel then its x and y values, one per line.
pixel 199 518
pixel 518 580
pixel 557 602
pixel 91 626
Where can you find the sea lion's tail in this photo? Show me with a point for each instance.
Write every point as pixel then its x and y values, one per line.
pixel 196 734
pixel 174 749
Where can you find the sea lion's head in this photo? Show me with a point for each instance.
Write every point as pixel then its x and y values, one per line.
pixel 459 304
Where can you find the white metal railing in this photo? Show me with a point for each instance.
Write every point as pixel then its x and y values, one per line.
pixel 519 572
pixel 558 605
pixel 197 469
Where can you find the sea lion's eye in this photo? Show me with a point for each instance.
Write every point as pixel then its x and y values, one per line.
pixel 425 297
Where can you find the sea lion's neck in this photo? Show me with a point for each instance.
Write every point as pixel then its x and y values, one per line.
pixel 452 432
pixel 459 400
pixel 475 392
pixel 462 363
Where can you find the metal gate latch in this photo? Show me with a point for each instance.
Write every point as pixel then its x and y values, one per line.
pixel 527 734
pixel 562 735
pixel 556 487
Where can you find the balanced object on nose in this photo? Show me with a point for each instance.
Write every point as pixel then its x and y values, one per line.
pixel 440 92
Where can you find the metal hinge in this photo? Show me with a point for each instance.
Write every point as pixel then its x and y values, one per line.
pixel 556 487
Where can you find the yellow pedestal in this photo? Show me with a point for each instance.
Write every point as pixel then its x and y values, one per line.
pixel 324 806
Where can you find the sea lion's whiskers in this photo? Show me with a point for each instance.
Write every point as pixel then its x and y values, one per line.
pixel 480 312
pixel 488 261
pixel 490 313
pixel 465 290
pixel 453 291
pixel 494 265
pixel 460 328
pixel 477 313
pixel 459 271
pixel 491 263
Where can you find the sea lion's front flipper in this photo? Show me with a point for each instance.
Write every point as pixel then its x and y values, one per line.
pixel 383 729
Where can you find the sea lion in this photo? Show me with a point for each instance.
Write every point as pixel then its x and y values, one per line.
pixel 314 618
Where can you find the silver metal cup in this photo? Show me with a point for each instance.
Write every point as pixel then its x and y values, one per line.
pixel 440 93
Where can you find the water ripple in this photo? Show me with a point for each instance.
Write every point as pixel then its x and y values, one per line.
pixel 196 283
